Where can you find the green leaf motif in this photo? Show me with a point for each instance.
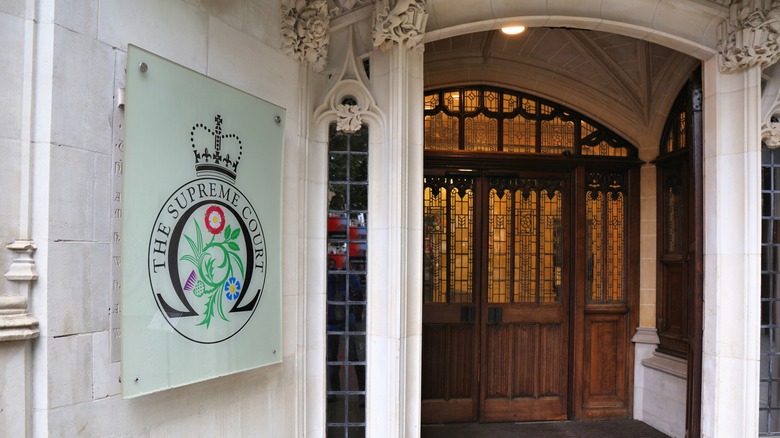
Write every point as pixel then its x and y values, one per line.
pixel 238 262
pixel 189 258
pixel 210 268
pixel 208 287
pixel 195 249
pixel 199 236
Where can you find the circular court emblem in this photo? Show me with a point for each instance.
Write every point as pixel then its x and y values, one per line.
pixel 207 255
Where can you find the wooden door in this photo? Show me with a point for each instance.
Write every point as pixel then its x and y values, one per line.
pixel 525 305
pixel 495 312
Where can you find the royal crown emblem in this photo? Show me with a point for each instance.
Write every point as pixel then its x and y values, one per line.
pixel 215 162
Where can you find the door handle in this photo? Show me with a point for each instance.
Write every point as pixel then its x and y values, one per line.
pixel 468 315
pixel 495 315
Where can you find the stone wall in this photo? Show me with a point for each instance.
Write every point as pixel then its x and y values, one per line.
pixel 69 57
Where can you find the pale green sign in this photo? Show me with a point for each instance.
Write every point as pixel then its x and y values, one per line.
pixel 201 228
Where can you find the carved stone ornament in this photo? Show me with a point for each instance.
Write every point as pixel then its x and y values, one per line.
pixel 770 107
pixel 349 101
pixel 304 31
pixel 349 118
pixel 770 135
pixel 749 37
pixel 402 24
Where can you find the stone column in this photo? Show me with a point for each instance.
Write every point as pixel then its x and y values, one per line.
pixel 397 70
pixel 732 236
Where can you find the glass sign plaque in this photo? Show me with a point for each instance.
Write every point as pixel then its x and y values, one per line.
pixel 201 228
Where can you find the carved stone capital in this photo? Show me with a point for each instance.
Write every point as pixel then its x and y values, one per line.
pixel 304 30
pixel 749 37
pixel 403 23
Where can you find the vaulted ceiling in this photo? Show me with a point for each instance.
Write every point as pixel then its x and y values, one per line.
pixel 624 83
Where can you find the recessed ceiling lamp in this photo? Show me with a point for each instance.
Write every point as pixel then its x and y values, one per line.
pixel 512 30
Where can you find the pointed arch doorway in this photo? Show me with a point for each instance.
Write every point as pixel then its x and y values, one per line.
pixel 528 242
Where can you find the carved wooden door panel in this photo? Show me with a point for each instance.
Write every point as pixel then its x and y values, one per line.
pixel 524 320
pixel 495 304
pixel 450 330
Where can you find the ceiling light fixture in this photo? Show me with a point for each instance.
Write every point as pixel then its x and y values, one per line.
pixel 512 30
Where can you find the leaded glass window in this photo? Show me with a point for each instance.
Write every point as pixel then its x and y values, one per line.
pixel 769 406
pixel 481 119
pixel 605 237
pixel 346 282
pixel 675 182
pixel 448 247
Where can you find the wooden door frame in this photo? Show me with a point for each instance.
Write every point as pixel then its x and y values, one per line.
pixel 576 166
pixel 696 330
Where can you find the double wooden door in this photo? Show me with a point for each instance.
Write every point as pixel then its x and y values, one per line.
pixel 496 286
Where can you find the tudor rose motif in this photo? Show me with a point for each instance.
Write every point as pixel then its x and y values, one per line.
pixel 206 258
pixel 304 30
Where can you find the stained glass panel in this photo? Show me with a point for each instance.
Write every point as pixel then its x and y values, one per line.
pixel 481 133
pixel 605 236
pixel 452 100
pixel 511 102
pixel 526 244
pixel 682 130
pixel 524 248
pixel 550 251
pixel 461 240
pixel 499 245
pixel 492 120
pixel 529 106
pixel 491 100
pixel 441 132
pixel 673 210
pixel 431 101
pixel 519 135
pixel 435 245
pixel 470 100
pixel 594 244
pixel 600 148
pixel 615 235
pixel 557 136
